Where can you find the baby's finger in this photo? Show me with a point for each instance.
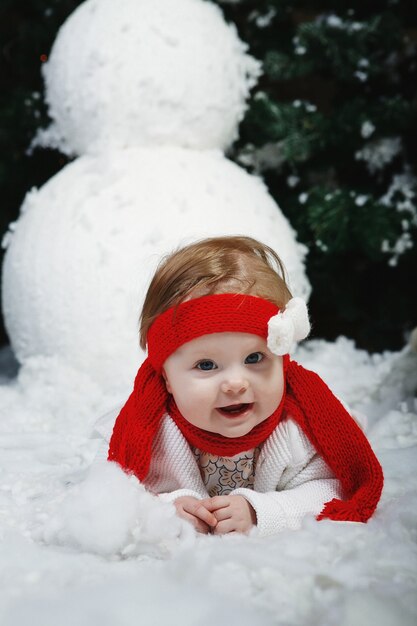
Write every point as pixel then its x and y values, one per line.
pixel 199 525
pixel 199 510
pixel 215 503
pixel 224 527
pixel 222 514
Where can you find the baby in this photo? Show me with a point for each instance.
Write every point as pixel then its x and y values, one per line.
pixel 221 422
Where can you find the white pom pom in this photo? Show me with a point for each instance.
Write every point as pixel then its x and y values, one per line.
pixel 280 334
pixel 287 327
pixel 297 309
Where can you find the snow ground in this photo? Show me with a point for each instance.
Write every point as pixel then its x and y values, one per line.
pixel 92 548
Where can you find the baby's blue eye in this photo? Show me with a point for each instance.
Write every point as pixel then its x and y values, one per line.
pixel 254 357
pixel 206 366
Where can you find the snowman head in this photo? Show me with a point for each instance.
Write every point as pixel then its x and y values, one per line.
pixel 146 73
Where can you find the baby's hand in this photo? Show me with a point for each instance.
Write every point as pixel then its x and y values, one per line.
pixel 193 510
pixel 233 514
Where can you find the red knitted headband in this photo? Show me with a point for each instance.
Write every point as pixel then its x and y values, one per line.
pixel 219 313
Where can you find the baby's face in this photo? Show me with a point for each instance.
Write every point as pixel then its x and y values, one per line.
pixel 225 383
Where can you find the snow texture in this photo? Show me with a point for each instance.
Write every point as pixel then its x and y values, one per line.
pixel 401 196
pixel 93 548
pixel 80 257
pixel 145 75
pixel 379 153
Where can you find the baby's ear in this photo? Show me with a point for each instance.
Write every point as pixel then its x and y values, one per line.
pixel 164 376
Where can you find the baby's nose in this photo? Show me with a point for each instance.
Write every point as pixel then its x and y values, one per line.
pixel 236 385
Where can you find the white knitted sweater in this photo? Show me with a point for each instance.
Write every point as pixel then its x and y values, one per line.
pixel 291 479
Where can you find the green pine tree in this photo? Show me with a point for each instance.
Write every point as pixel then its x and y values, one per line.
pixel 331 127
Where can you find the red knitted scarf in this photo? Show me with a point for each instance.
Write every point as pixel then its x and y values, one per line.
pixel 307 399
pixel 220 445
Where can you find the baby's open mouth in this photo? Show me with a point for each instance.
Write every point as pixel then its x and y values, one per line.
pixel 235 410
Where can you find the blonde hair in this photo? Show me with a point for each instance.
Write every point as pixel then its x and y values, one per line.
pixel 233 264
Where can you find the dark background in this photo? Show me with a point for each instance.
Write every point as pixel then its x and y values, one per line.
pixel 355 291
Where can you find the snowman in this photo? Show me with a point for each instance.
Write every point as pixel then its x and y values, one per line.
pixel 147 96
